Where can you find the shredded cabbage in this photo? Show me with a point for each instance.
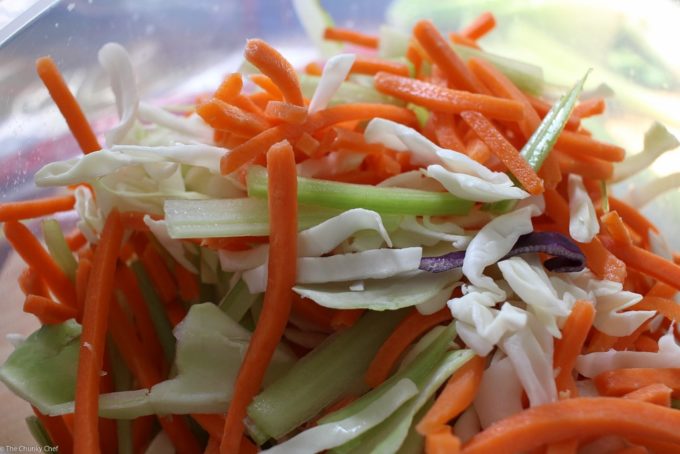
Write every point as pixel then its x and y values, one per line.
pixel 583 223
pixel 657 141
pixel 499 394
pixel 160 230
pixel 473 188
pixel 334 74
pixel 116 61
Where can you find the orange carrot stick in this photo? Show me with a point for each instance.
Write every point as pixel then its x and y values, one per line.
pixel 445 131
pixel 75 239
pixel 456 396
pixel 350 36
pixel 17 211
pixel 211 423
pixel 634 450
pixel 278 296
pixel 408 330
pixel 632 217
pixel 57 430
pixel 67 104
pixel 312 312
pixel 31 283
pixel 442 54
pixel 48 312
pixel 82 277
pixel 444 99
pixel 358 112
pixel 614 225
pixel 579 145
pixel 32 252
pixel 667 307
pixel 570 345
pixel 93 337
pixel 283 111
pixel 346 318
pixel 577 418
pixel 223 116
pixel 457 38
pixel 147 375
pixel 587 167
pixel 645 343
pixel 550 171
pixel 160 276
pixel 230 87
pixel 265 83
pixel 504 150
pixel 645 262
pixel 564 447
pixel 590 107
pixel 314 69
pixel 187 283
pixel 442 441
pixel 623 381
pixel 134 220
pixel 657 393
pixel 372 65
pixel 273 64
pixel 542 108
pixel 256 146
pixel 479 27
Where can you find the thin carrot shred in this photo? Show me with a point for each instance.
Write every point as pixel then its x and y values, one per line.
pixel 161 278
pixel 277 68
pixel 657 393
pixel 564 447
pixel 17 211
pixel 67 104
pixel 346 318
pixel 265 83
pixel 278 297
pixel 479 27
pixel 49 312
pixel 92 340
pixel 442 441
pixel 568 348
pixel 623 381
pixel 223 116
pixel 31 283
pixel 456 396
pixel 590 107
pixel 615 227
pixel 57 430
pixel 577 418
pixel 504 150
pixel 230 87
pixel 350 36
pixel 372 65
pixel 282 111
pixel 457 38
pixel 669 308
pixel 442 99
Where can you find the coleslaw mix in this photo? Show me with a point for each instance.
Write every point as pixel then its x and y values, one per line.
pixel 408 246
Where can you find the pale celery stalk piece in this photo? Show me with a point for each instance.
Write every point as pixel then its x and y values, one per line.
pixel 344 196
pixel 238 301
pixel 348 92
pixel 390 435
pixel 58 248
pixel 331 371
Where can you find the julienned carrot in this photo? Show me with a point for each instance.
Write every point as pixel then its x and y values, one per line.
pixel 211 423
pixel 265 83
pixel 442 99
pixel 637 449
pixel 286 112
pixel 568 348
pixel 564 447
pixel 307 144
pixel 550 171
pixel 147 375
pixel 408 330
pixel 67 104
pixel 456 396
pixel 581 417
pixel 585 166
pixel 600 260
pixel 345 318
pixel 313 69
pixel 350 36
pixel 657 393
pixel 143 429
pixel 75 239
pixel 628 342
pixel 134 220
pixel 442 441
pixel 249 104
pixel 229 88
pixel 632 217
pixel 445 131
pixel 276 67
pixel 126 283
pixel 187 283
pixel 49 312
pixel 645 262
pixel 600 342
pixel 667 307
pixel 479 27
pixel 31 283
pixel 313 313
pixel 17 211
pixel 57 430
pixel 82 277
pixel 504 150
pixel 372 65
pixel 223 116
pixel 30 249
pixel 614 225
pixel 160 276
pixel 590 107
pixel 645 343
pixel 93 337
pixel 579 145
pixel 258 144
pixel 661 290
pixel 213 446
pixel 278 296
pixel 442 54
pixel 623 381
pixel 457 38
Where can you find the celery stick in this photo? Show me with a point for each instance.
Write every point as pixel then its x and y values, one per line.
pixel 418 371
pixel 230 217
pixel 238 301
pixel 326 374
pixel 59 250
pixel 349 92
pixel 39 433
pixel 414 443
pixel 390 435
pixel 343 196
pixel 158 317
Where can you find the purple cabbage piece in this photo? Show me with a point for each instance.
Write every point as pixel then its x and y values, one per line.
pixel 567 257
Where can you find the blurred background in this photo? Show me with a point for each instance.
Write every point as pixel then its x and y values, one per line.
pixel 184 48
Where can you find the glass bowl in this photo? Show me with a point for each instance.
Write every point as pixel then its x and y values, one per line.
pixel 181 49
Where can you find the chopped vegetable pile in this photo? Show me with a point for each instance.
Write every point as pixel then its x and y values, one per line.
pixel 408 246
